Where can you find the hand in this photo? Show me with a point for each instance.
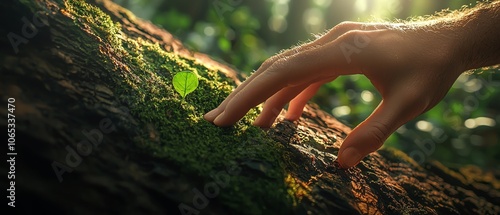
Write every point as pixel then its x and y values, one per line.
pixel 412 67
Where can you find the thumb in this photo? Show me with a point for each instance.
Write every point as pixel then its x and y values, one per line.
pixel 371 134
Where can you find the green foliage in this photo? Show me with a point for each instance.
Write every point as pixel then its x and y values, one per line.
pixel 173 19
pixel 243 35
pixel 185 82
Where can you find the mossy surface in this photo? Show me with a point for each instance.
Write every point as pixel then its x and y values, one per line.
pixel 173 129
pixel 393 155
pixel 75 73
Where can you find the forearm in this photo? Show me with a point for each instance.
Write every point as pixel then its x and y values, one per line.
pixel 480 36
pixel 461 40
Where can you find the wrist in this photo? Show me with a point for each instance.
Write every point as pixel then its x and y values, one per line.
pixel 443 46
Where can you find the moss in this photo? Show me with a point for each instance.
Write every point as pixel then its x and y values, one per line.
pixel 395 156
pixel 475 174
pixel 447 174
pixel 297 189
pixel 174 129
pixel 94 21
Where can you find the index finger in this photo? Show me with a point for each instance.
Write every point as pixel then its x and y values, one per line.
pixel 331 35
pixel 303 67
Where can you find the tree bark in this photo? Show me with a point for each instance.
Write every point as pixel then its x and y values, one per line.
pixel 93 135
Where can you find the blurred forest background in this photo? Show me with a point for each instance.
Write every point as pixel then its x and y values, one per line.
pixel 463 129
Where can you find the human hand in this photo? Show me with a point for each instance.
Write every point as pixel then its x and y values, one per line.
pixel 412 67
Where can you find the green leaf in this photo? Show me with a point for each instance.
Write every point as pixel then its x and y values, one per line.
pixel 185 82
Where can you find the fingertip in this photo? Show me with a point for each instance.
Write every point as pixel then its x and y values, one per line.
pixel 224 120
pixel 292 116
pixel 219 120
pixel 211 115
pixel 349 157
pixel 260 125
pixel 264 121
pixel 258 122
pixel 295 110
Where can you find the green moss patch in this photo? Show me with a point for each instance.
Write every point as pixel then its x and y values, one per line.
pixel 174 129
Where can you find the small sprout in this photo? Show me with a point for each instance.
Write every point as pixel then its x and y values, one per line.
pixel 185 82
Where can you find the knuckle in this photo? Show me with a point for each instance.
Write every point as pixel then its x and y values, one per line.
pixel 269 61
pixel 280 60
pixel 280 63
pixel 275 67
pixel 354 35
pixel 340 29
pixel 347 25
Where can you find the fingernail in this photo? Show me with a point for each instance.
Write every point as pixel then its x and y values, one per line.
pixel 349 157
pixel 211 114
pixel 219 118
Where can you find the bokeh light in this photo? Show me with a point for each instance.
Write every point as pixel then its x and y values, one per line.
pixel 245 33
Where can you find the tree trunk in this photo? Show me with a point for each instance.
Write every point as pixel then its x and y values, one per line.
pixel 99 129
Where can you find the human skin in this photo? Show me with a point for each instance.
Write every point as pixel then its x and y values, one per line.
pixel 412 65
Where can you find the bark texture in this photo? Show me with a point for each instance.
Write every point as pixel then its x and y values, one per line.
pixel 99 130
